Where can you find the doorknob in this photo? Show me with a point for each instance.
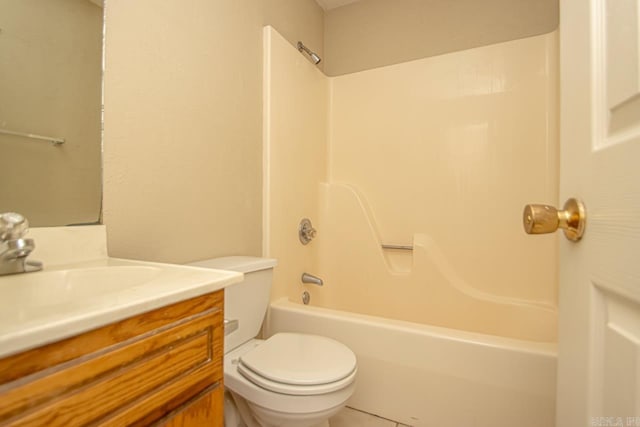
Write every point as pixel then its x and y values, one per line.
pixel 542 219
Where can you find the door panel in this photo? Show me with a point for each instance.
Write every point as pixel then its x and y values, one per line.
pixel 599 296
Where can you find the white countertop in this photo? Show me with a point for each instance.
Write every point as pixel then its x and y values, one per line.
pixel 68 299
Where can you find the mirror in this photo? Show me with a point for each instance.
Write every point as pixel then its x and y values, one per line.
pixel 51 86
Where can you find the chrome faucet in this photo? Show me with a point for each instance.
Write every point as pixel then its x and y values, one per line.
pixel 306 232
pixel 14 248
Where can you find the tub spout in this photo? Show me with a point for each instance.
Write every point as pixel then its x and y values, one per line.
pixel 310 278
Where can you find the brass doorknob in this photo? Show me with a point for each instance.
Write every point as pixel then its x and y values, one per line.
pixel 542 219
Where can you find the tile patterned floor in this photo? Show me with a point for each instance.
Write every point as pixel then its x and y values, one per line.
pixel 350 417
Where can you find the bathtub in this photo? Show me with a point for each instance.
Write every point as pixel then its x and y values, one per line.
pixel 423 375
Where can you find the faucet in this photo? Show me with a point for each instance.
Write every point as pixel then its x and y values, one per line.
pixel 14 248
pixel 306 232
pixel 310 278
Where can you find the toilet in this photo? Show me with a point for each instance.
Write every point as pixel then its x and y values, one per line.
pixel 287 380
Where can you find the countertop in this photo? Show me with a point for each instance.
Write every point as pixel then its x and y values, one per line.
pixel 68 299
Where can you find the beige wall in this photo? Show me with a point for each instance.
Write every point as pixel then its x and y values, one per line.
pixel 375 33
pixel 183 124
pixel 50 84
pixel 454 146
pixel 297 20
pixel 295 135
pixel 440 153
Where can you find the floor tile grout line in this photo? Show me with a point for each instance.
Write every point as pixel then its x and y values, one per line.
pixel 397 423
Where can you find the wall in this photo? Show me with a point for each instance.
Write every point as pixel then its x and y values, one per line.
pixel 51 85
pixel 375 33
pixel 295 135
pixel 296 21
pixel 183 120
pixel 455 146
pixel 441 154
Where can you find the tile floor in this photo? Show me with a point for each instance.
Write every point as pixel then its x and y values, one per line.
pixel 350 417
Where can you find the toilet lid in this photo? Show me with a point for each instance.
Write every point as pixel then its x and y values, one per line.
pixel 299 364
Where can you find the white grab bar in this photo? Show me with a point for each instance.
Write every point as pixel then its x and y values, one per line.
pixel 399 247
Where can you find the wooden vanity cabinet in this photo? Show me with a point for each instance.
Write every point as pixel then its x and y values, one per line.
pixel 160 368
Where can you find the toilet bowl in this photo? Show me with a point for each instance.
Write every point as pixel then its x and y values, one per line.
pixel 304 395
pixel 287 380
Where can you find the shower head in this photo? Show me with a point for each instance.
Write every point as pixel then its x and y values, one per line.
pixel 314 56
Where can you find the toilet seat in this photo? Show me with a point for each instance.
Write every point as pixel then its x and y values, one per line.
pixel 299 364
pixel 237 383
pixel 305 390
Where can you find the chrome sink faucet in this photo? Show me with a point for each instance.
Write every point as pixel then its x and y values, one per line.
pixel 14 248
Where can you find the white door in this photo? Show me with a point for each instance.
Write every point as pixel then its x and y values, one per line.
pixel 599 348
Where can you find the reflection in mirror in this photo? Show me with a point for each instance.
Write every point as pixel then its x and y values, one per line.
pixel 50 85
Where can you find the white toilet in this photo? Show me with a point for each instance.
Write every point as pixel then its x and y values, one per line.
pixel 288 380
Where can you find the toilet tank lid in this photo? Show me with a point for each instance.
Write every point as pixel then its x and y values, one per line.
pixel 241 264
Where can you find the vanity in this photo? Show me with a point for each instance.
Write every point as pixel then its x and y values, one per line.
pixel 92 340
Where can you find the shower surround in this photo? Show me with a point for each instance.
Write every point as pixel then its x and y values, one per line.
pixel 439 155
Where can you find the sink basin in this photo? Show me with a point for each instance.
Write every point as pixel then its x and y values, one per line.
pixel 50 288
pixel 36 308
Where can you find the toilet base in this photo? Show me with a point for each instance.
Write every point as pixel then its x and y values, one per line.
pixel 241 413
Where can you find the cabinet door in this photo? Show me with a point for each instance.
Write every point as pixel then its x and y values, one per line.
pixel 131 372
pixel 205 409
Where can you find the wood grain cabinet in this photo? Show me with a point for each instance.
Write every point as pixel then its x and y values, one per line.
pixel 163 368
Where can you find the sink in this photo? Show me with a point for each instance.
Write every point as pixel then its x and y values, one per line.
pixel 50 288
pixel 37 308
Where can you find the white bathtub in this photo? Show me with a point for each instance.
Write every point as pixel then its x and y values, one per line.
pixel 422 375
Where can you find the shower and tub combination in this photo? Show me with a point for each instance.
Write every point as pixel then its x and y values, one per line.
pixel 414 176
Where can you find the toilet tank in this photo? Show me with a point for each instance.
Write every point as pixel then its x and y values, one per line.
pixel 248 300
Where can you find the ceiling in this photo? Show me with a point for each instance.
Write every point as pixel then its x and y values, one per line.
pixel 325 4
pixel 332 4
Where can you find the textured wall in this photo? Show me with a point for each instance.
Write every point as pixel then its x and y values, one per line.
pixel 183 125
pixel 375 33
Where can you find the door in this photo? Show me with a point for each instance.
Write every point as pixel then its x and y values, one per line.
pixel 599 296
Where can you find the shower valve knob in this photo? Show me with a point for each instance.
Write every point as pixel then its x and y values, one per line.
pixel 306 232
pixel 543 219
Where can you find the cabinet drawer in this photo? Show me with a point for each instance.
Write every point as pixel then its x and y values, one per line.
pixel 140 378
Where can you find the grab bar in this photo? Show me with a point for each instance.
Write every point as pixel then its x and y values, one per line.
pixel 54 141
pixel 399 247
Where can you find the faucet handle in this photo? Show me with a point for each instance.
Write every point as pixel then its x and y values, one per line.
pixel 306 232
pixel 12 226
